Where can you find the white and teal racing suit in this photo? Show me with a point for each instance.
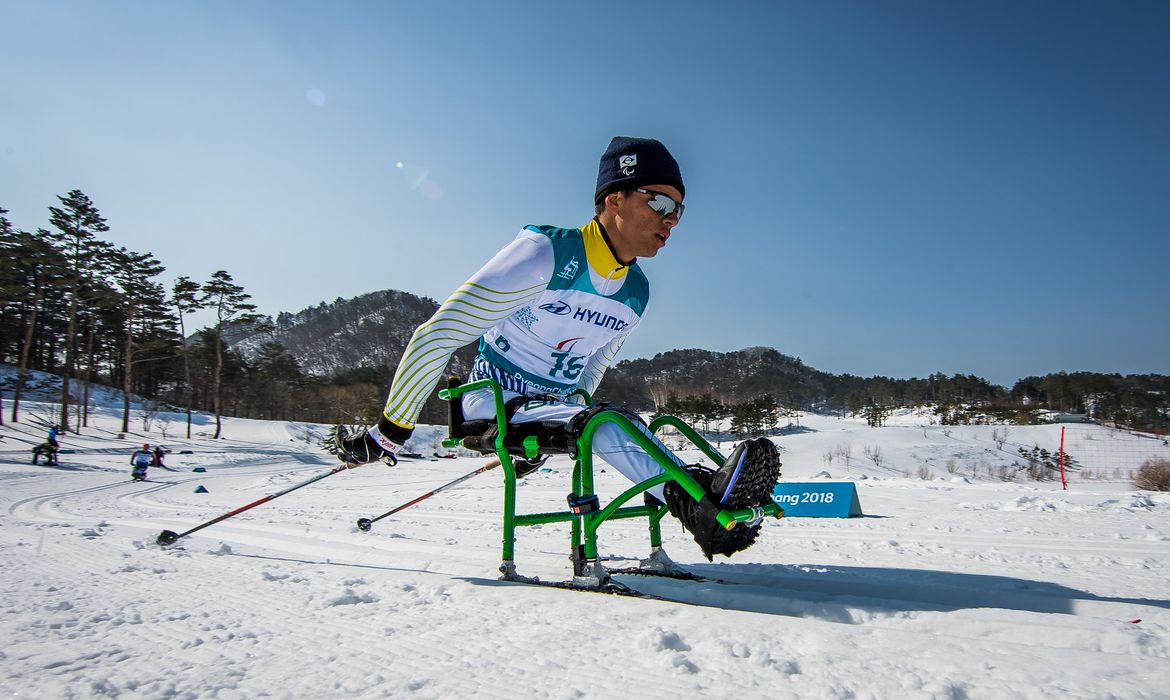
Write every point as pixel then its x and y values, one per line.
pixel 550 310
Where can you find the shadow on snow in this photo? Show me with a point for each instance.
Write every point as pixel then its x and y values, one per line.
pixel 853 595
pixel 840 593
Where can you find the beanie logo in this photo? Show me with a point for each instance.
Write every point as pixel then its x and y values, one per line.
pixel 628 163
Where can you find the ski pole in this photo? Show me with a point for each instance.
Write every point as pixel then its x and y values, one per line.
pixel 167 537
pixel 364 524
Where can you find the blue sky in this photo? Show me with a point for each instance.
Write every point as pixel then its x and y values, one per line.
pixel 892 188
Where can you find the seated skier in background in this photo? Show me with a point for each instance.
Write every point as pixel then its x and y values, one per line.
pixel 550 311
pixel 140 460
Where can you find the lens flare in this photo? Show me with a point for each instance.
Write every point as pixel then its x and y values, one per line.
pixel 315 97
pixel 417 180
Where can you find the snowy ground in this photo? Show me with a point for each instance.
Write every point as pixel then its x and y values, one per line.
pixel 958 586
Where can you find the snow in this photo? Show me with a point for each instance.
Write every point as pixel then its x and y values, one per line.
pixel 957 585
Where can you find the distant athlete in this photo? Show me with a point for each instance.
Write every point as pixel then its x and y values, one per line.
pixel 550 312
pixel 140 460
pixel 48 450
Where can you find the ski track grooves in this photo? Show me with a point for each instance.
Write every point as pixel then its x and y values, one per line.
pixel 41 503
pixel 940 598
pixel 788 594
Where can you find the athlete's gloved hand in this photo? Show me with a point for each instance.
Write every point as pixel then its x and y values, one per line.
pixel 367 446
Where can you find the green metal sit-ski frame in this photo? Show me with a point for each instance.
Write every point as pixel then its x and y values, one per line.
pixel 587 572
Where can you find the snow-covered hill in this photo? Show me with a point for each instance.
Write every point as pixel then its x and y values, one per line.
pixel 958 585
pixel 367 331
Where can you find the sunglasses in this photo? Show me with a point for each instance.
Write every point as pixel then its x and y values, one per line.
pixel 663 204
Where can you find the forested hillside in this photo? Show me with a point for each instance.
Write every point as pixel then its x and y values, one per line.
pixel 364 332
pixel 80 307
pixel 747 383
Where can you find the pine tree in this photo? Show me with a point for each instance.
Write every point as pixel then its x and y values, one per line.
pixel 743 419
pixel 876 411
pixel 767 412
pixel 274 375
pixel 186 298
pixel 102 302
pixel 34 264
pixel 9 278
pixel 77 222
pixel 133 272
pixel 231 306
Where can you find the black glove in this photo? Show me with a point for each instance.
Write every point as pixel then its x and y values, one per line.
pixel 362 448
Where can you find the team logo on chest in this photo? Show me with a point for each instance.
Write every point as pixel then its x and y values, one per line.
pixel 569 271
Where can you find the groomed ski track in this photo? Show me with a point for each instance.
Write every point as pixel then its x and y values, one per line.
pixel 946 590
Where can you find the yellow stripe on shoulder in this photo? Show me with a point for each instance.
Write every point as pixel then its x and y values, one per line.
pixel 600 257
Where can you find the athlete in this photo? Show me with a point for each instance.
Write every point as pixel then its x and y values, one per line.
pixel 550 312
pixel 140 460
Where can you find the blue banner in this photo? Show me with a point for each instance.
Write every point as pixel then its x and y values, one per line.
pixel 824 499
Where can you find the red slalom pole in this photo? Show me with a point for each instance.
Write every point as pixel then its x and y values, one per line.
pixel 364 524
pixel 167 537
pixel 1063 483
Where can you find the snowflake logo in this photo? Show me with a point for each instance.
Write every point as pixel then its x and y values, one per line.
pixel 525 317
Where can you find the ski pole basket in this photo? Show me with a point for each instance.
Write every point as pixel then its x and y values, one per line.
pixel 585 514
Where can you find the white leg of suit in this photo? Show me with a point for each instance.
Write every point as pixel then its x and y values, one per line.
pixel 610 442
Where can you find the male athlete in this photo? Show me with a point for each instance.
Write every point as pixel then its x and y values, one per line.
pixel 550 312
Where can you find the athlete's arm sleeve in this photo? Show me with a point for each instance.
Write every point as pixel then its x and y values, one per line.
pixel 516 276
pixel 599 362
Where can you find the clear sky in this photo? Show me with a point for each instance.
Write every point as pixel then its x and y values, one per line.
pixel 876 187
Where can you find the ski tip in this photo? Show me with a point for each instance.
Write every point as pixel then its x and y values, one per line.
pixel 166 537
pixel 364 524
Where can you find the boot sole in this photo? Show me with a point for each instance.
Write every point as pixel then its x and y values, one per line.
pixel 754 477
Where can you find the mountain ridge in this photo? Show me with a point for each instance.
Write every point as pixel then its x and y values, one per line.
pixel 372 330
pixel 364 332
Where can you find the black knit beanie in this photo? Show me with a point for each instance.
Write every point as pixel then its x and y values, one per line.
pixel 631 162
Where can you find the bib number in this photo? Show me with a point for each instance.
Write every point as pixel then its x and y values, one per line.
pixel 566 365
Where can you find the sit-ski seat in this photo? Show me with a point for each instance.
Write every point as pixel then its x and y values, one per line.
pixel 548 437
pixel 523 447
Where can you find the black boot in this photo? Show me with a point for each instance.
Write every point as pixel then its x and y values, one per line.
pixel 747 478
pixel 745 481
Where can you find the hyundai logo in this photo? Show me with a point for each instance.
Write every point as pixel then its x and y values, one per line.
pixel 559 308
